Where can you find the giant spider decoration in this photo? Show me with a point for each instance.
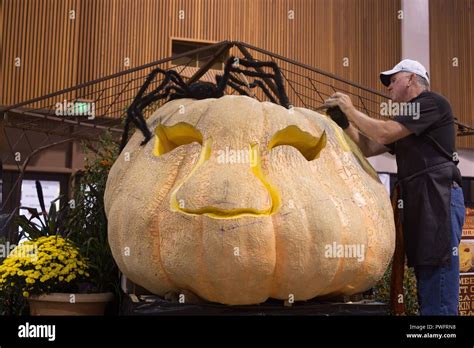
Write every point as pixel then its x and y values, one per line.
pixel 200 90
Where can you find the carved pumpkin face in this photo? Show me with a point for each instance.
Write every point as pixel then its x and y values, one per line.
pixel 238 200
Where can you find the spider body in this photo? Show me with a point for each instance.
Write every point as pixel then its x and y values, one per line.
pixel 174 87
pixel 198 90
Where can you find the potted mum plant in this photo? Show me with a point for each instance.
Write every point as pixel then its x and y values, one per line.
pixel 80 223
pixel 49 272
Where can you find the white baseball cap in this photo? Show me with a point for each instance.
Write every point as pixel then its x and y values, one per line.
pixel 407 65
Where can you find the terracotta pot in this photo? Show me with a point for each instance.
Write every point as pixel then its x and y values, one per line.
pixel 69 304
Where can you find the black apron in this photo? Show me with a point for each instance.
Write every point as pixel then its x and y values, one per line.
pixel 426 214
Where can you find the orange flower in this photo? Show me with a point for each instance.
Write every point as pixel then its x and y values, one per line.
pixel 105 163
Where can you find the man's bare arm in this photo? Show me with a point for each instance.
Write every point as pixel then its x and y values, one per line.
pixel 381 132
pixel 368 147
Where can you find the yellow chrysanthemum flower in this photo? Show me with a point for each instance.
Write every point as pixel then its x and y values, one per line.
pixel 51 260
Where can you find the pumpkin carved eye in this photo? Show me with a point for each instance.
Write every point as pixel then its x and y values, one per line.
pixel 308 145
pixel 169 138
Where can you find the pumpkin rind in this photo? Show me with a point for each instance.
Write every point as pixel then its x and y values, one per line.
pixel 253 247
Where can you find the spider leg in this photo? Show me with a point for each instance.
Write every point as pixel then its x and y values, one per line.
pixel 238 81
pixel 174 76
pixel 132 116
pixel 148 81
pixel 135 115
pixel 277 77
pixel 265 90
pixel 124 139
pixel 222 80
pixel 254 84
pixel 178 92
pixel 237 88
pixel 135 110
pixel 231 84
pixel 151 98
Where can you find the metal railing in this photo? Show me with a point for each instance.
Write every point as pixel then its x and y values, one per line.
pixel 111 95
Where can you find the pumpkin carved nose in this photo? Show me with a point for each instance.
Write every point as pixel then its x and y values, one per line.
pixel 220 189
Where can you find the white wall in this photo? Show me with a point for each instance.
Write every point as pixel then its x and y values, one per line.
pixel 415 27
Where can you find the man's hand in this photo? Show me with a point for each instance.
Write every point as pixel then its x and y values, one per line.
pixel 343 101
pixel 382 132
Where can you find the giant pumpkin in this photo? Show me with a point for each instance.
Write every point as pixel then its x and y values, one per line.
pixel 237 201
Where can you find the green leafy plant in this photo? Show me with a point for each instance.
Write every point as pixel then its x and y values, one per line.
pixel 382 290
pixel 87 222
pixel 54 220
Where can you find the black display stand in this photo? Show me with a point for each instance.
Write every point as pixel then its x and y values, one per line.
pixel 155 305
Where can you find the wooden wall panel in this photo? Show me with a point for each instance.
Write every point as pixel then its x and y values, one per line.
pixel 44 39
pixel 58 52
pixel 452 36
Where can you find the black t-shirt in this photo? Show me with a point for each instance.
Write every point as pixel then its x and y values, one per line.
pixel 430 114
pixel 426 172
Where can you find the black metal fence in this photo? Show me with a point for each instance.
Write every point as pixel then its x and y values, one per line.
pixel 109 97
pixel 86 110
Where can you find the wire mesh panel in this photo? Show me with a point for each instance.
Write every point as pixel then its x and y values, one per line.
pixel 86 110
pixel 83 111
pixel 100 104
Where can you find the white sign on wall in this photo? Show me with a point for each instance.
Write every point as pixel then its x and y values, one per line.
pixel 29 197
